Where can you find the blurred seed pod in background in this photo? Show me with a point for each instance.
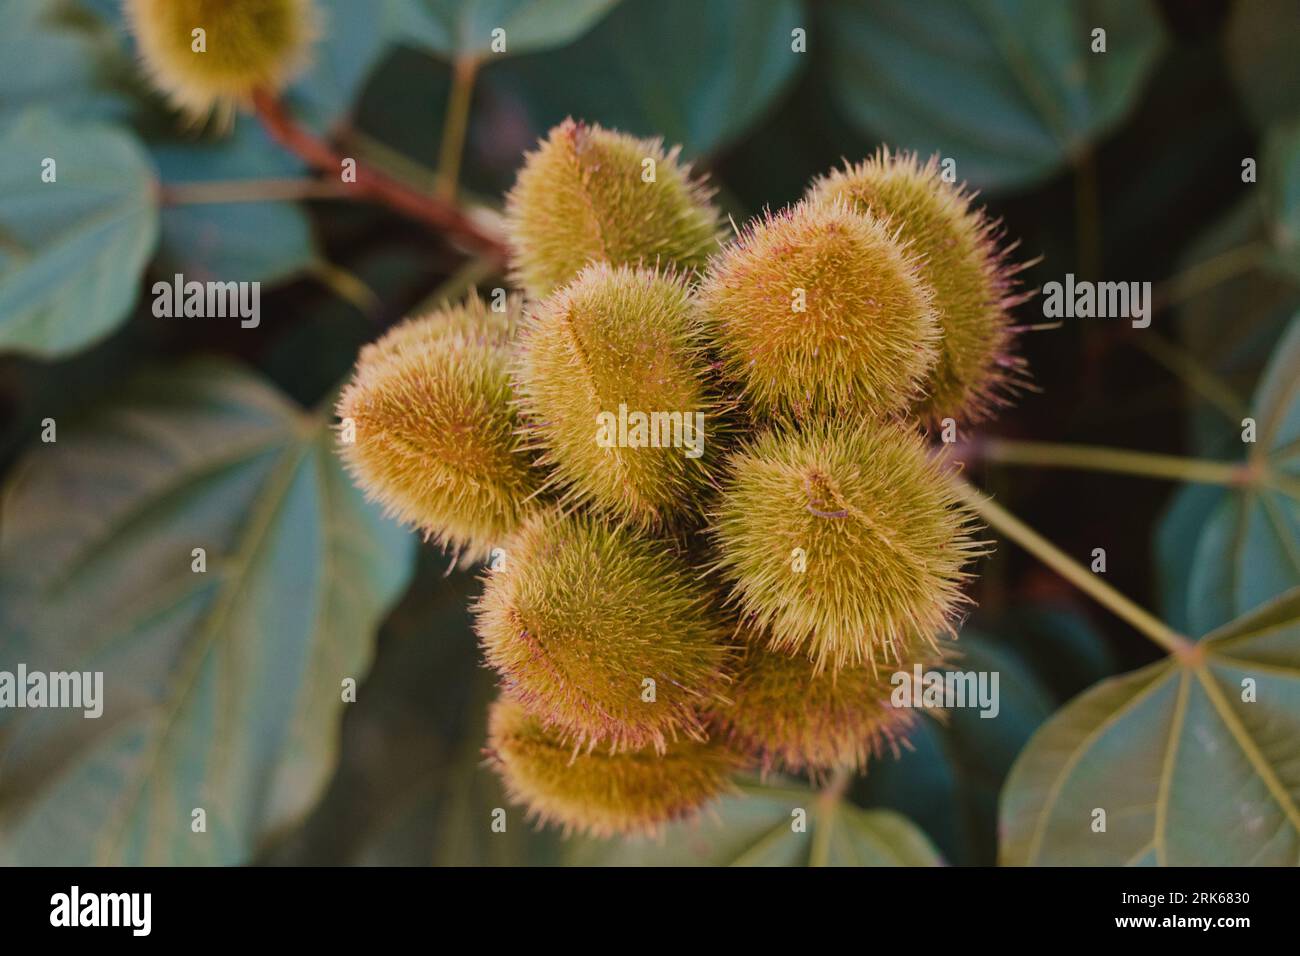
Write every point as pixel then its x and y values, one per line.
pixel 598 793
pixel 817 309
pixel 844 540
pixel 435 430
pixel 958 256
pixel 589 194
pixel 243 46
pixel 609 367
pixel 602 634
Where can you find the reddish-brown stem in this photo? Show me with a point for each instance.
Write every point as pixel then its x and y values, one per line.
pixel 441 215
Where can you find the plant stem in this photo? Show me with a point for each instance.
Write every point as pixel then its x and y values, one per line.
pixel 1211 272
pixel 251 190
pixel 1115 460
pixel 464 71
pixel 468 276
pixel 346 286
pixel 443 216
pixel 1193 374
pixel 1012 527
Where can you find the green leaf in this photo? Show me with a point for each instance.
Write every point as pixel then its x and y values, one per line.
pixel 1177 535
pixel 636 70
pixel 949 778
pixel 775 826
pixel 1247 279
pixel 53 57
pixel 221 688
pixel 232 242
pixel 71 251
pixel 1188 771
pixel 1008 88
pixel 455 28
pixel 354 39
pixel 1249 548
pixel 1262 38
pixel 411 788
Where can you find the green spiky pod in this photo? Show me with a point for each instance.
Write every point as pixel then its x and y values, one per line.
pixel 598 793
pixel 247 45
pixel 435 428
pixel 611 376
pixel 817 309
pixel 845 541
pixel 792 717
pixel 960 257
pixel 589 194
pixel 602 634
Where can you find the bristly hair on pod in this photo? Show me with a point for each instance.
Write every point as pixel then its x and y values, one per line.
pixel 611 378
pixel 435 433
pixel 846 541
pixel 601 794
pixel 960 256
pixel 589 194
pixel 791 717
pixel 602 634
pixel 246 46
pixel 819 309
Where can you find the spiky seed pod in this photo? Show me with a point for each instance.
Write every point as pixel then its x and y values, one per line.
pixel 790 716
pixel 845 540
pixel 435 429
pixel 818 309
pixel 959 256
pixel 584 616
pixel 599 793
pixel 611 376
pixel 589 194
pixel 246 45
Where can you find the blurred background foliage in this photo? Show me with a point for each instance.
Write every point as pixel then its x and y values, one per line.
pixel 178 432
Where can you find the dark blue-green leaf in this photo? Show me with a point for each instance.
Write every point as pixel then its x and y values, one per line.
pixel 72 251
pixel 1008 88
pixel 222 687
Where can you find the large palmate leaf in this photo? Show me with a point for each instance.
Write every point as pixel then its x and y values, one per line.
pixel 1009 88
pixel 454 28
pixel 647 69
pixel 412 788
pixel 776 826
pixel 222 681
pixel 948 778
pixel 1193 761
pixel 1248 550
pixel 72 250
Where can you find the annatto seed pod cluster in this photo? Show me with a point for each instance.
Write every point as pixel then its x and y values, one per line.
pixel 703 470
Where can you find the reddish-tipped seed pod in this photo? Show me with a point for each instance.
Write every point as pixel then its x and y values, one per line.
pixel 434 431
pixel 589 194
pixel 845 540
pixel 599 793
pixel 820 309
pixel 207 55
pixel 790 716
pixel 611 377
pixel 959 258
pixel 601 634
